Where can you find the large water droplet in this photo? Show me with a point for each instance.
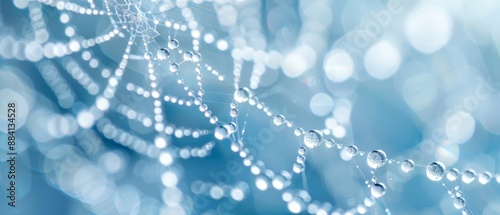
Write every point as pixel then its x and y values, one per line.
pixel 376 159
pixel 313 139
pixel 435 171
pixel 407 166
pixel 378 190
pixel 241 95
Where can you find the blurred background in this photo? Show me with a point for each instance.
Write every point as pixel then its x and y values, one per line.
pixel 416 79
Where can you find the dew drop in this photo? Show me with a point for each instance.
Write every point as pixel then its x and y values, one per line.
pixel 162 54
pixel 278 120
pixel 187 55
pixel 468 176
pixel 234 112
pixel 173 44
pixel 484 177
pixel 302 150
pixel 241 95
pixel 298 131
pixel 301 159
pixel 459 202
pixel 231 127
pixel 369 201
pixel 174 67
pixel 407 166
pixel 378 190
pixel 233 105
pixel 298 167
pixel 435 171
pixel 376 159
pixel 329 143
pixel 221 132
pixel 452 174
pixel 313 139
pixel 196 57
pixel 352 150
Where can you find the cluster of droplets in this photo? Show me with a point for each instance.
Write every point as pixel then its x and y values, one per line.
pixel 297 201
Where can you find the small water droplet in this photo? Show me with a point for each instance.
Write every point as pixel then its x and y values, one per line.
pixel 173 44
pixel 407 166
pixel 174 67
pixel 378 190
pixel 459 202
pixel 162 54
pixel 241 95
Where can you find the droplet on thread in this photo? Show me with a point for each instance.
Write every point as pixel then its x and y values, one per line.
pixel 376 159
pixel 313 139
pixel 435 171
pixel 407 166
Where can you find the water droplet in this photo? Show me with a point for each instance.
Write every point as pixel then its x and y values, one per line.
pixel 459 203
pixel 261 183
pixel 187 55
pixel 241 95
pixel 376 159
pixel 407 166
pixel 278 120
pixel 235 146
pixel 234 112
pixel 466 211
pixel 279 182
pixel 452 174
pixel 313 139
pixel 301 159
pixel 221 132
pixel 302 150
pixel 435 171
pixel 369 201
pixel 295 206
pixel 233 105
pixel 162 54
pixel 173 44
pixel 352 150
pixel 196 57
pixel 484 177
pixel 174 67
pixel 231 127
pixel 298 168
pixel 378 190
pixel 298 131
pixel 468 176
pixel 329 143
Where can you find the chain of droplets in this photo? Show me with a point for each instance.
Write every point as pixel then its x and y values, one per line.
pixel 299 200
pixel 312 139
